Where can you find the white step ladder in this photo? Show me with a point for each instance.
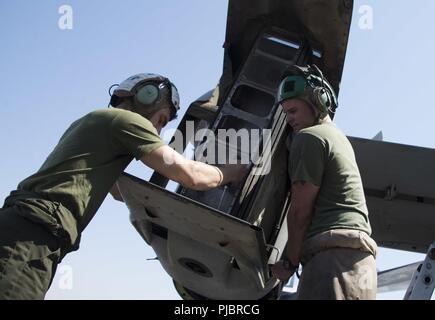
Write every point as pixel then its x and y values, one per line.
pixel 423 280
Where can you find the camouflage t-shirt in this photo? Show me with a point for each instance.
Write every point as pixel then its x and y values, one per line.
pixel 68 189
pixel 323 156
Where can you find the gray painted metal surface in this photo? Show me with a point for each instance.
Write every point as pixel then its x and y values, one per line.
pixel 423 283
pixel 397 278
pixel 223 252
pixel 214 254
pixel 399 182
pixel 324 24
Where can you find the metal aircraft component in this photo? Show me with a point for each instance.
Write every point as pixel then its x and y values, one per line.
pixel 218 244
pixel 398 183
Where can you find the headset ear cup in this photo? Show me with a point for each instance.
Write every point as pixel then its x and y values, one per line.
pixel 148 94
pixel 323 100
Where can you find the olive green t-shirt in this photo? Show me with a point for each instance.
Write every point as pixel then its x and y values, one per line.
pixel 323 156
pixel 73 181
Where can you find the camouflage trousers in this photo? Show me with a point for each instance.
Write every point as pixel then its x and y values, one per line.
pixel 29 256
pixel 338 265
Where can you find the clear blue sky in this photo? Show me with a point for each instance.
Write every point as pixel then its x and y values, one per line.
pixel 50 77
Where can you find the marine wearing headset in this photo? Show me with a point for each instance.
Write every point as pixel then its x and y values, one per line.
pixel 328 225
pixel 43 219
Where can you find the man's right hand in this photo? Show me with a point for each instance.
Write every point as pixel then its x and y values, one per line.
pixel 233 174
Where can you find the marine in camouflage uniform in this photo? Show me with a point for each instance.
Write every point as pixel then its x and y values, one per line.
pixel 43 219
pixel 328 224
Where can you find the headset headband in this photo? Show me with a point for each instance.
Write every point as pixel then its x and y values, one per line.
pixel 310 84
pixel 130 87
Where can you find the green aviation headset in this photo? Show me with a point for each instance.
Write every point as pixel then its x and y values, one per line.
pixel 149 93
pixel 309 84
pixel 148 90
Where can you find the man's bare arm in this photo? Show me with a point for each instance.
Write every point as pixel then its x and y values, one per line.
pixel 191 174
pixel 299 217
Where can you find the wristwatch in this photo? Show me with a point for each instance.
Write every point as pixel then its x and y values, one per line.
pixel 288 265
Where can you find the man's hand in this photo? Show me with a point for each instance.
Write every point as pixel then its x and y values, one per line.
pixel 233 174
pixel 280 272
pixel 191 174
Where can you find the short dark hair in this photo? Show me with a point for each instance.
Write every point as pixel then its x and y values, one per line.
pixel 115 100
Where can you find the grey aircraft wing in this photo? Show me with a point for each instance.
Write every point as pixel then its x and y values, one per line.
pixel 396 279
pixel 399 183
